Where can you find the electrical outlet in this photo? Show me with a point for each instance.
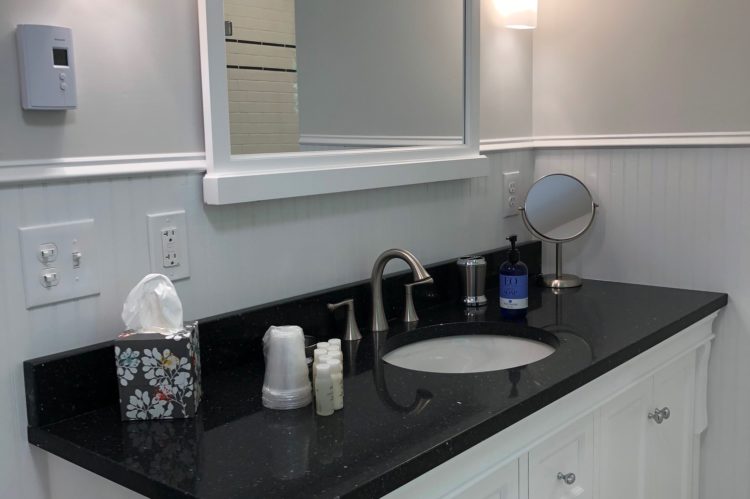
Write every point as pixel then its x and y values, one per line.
pixel 169 247
pixel 510 193
pixel 167 233
pixel 60 262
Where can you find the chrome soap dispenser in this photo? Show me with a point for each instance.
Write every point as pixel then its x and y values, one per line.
pixel 514 284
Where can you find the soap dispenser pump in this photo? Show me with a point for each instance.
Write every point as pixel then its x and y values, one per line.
pixel 514 284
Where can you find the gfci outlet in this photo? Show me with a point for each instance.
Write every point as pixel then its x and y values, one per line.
pixel 511 190
pixel 167 235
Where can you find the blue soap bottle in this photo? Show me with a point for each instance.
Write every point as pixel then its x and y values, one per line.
pixel 514 284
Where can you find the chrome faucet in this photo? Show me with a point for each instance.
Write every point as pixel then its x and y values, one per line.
pixel 379 320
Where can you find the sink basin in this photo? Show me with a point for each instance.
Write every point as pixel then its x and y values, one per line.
pixel 468 353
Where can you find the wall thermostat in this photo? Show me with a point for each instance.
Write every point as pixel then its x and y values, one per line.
pixel 48 78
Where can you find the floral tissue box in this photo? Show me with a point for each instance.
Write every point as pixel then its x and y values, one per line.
pixel 159 374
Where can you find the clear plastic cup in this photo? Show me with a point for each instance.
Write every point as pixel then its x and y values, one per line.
pixel 286 384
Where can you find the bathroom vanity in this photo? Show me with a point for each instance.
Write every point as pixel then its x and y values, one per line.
pixel 633 432
pixel 614 412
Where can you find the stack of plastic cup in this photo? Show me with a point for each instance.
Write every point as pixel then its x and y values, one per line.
pixel 286 384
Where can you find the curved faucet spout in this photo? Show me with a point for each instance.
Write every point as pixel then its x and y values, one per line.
pixel 379 320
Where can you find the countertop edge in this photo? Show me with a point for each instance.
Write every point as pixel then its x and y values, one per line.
pixel 105 468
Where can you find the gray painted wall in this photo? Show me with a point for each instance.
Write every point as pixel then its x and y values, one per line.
pixel 641 66
pixel 138 80
pixel 432 106
pixel 505 78
pixel 369 68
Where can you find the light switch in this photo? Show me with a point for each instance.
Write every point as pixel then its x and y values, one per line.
pixel 47 253
pixel 50 278
pixel 59 261
pixel 167 234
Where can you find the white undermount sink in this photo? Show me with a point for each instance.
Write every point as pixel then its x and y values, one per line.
pixel 470 353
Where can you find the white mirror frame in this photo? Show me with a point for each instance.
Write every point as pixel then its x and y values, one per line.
pixel 243 178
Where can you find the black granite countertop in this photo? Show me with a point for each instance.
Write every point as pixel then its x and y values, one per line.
pixel 396 424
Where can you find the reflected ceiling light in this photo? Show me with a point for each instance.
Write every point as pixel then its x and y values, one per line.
pixel 518 14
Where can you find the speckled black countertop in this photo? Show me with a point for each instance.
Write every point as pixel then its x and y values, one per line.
pixel 396 424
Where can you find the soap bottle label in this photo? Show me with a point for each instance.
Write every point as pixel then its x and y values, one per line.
pixel 514 291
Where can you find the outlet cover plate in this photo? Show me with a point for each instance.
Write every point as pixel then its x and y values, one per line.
pixel 73 282
pixel 511 193
pixel 178 268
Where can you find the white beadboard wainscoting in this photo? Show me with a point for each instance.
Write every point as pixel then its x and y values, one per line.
pixel 240 255
pixel 679 217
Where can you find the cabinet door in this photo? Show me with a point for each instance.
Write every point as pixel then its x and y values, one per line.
pixel 622 434
pixel 501 483
pixel 670 443
pixel 566 455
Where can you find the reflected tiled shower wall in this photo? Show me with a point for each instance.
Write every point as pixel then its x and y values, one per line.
pixel 262 76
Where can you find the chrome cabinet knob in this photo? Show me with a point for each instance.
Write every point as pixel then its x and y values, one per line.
pixel 569 478
pixel 660 415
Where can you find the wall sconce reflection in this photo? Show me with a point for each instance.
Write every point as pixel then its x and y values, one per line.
pixel 518 14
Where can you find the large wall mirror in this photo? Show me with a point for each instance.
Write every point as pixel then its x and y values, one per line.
pixel 323 74
pixel 313 96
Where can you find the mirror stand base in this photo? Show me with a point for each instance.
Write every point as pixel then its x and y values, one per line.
pixel 558 281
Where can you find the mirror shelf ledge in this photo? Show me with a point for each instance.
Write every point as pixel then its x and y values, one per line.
pixel 242 185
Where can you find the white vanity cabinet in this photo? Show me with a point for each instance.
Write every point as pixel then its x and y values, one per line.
pixel 623 443
pixel 645 437
pixel 629 434
pixel 669 455
pixel 563 465
pixel 500 483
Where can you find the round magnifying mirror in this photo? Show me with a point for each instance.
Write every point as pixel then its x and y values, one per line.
pixel 559 208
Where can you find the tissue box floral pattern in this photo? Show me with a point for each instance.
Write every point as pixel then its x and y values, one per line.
pixel 158 374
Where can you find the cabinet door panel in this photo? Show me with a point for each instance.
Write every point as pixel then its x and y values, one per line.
pixel 501 483
pixel 670 449
pixel 569 451
pixel 622 444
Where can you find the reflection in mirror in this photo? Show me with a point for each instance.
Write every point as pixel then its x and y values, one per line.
pixel 262 76
pixel 422 397
pixel 333 74
pixel 559 208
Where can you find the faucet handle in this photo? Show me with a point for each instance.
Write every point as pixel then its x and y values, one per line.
pixel 410 313
pixel 352 331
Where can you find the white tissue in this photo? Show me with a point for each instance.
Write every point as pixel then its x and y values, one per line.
pixel 153 306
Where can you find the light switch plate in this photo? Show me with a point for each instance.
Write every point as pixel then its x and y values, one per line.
pixel 71 282
pixel 167 237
